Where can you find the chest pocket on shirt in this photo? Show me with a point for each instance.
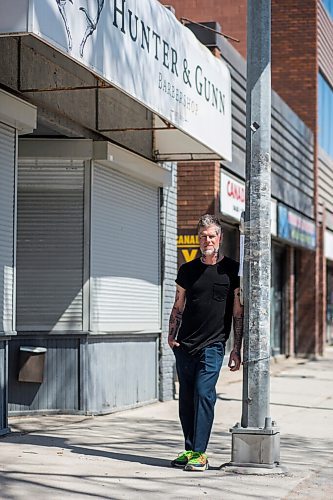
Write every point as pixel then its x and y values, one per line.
pixel 220 291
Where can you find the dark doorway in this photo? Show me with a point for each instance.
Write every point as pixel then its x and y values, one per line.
pixel 277 299
pixel 329 308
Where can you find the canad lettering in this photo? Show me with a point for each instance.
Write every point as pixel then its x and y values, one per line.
pixel 236 191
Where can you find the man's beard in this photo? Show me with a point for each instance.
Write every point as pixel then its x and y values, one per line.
pixel 208 252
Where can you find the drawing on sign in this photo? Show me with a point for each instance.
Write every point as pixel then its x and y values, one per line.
pixel 62 10
pixel 91 22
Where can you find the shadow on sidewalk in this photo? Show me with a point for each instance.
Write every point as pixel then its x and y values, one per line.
pixel 292 448
pixel 64 444
pixel 307 407
pixel 148 441
pixel 32 479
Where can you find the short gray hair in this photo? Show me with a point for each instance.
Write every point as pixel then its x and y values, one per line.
pixel 207 220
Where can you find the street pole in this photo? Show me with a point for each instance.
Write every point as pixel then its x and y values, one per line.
pixel 256 439
pixel 257 228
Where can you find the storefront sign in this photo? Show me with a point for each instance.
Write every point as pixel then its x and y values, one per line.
pixel 295 228
pixel 139 47
pixel 328 245
pixel 232 196
pixel 188 247
pixel 232 200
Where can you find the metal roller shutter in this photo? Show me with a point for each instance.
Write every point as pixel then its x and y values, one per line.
pixel 49 245
pixel 125 294
pixel 7 201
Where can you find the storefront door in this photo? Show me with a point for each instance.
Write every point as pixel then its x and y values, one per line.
pixel 329 309
pixel 277 288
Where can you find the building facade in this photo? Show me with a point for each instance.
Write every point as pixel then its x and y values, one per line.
pixel 96 108
pixel 301 170
pixel 307 67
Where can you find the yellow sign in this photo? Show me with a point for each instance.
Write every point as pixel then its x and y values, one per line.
pixel 189 254
pixel 188 245
pixel 188 240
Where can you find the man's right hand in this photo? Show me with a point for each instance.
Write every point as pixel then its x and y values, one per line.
pixel 172 342
pixel 234 360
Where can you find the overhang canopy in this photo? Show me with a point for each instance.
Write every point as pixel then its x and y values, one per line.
pixel 102 152
pixel 17 113
pixel 140 48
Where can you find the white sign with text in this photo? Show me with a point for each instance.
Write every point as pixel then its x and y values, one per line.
pixel 232 196
pixel 328 245
pixel 232 200
pixel 141 48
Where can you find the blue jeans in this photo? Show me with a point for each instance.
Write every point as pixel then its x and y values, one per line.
pixel 197 377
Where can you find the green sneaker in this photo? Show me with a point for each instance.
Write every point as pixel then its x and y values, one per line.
pixel 182 459
pixel 198 462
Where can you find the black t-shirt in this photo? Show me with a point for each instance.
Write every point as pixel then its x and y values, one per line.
pixel 207 315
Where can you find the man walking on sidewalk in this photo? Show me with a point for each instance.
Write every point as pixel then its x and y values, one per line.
pixel 207 300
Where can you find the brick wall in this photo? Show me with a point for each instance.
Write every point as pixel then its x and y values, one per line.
pixel 229 14
pixel 198 192
pixel 294 44
pixel 294 56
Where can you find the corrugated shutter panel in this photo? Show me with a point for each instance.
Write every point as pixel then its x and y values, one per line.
pixel 49 245
pixel 7 189
pixel 124 253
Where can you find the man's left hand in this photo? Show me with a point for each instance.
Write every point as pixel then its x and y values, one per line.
pixel 234 361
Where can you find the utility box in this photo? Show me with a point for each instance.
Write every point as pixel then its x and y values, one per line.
pixel 255 447
pixel 31 364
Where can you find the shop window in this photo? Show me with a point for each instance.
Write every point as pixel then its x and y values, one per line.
pixel 329 309
pixel 325 114
pixel 328 6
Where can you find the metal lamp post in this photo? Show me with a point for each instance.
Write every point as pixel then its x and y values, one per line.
pixel 255 441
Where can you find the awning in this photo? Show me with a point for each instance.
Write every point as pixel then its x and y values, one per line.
pixel 103 152
pixel 140 48
pixel 17 113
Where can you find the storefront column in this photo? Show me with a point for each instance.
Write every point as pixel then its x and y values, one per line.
pixel 290 330
pixel 322 288
pixel 329 304
pixel 328 287
pixel 169 273
pixel 306 295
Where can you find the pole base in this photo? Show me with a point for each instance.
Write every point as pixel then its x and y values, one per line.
pixel 255 447
pixel 5 431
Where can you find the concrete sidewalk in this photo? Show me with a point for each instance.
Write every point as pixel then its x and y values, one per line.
pixel 126 455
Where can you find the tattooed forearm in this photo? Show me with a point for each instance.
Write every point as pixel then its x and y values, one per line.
pixel 176 315
pixel 238 311
pixel 238 332
pixel 175 321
